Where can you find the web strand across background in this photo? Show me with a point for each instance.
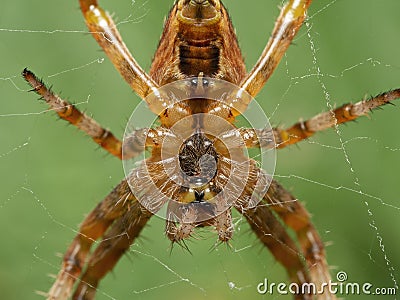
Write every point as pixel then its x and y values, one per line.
pixel 52 175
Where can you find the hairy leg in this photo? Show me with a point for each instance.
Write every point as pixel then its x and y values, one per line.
pixel 274 236
pixel 70 113
pixel 294 215
pixel 114 244
pixel 134 143
pixel 93 227
pixel 281 138
pixel 107 36
pixel 286 27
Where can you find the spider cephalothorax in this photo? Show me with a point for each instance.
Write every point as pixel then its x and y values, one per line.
pixel 198 166
pixel 198 160
pixel 195 163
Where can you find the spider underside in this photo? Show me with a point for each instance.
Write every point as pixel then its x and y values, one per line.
pixel 198 42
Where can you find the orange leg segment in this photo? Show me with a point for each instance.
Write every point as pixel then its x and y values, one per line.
pixel 70 113
pixel 294 215
pixel 114 244
pixel 281 138
pixel 286 27
pixel 92 228
pixel 103 29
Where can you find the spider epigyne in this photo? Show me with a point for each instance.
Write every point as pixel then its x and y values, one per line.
pixel 198 41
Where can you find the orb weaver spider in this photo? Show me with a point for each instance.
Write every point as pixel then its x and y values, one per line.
pixel 198 46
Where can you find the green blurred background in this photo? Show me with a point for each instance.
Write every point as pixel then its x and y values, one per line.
pixel 52 175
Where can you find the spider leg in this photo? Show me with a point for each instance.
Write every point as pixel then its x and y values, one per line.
pixel 180 227
pixel 281 138
pixel 286 27
pixel 223 221
pixel 92 228
pixel 274 236
pixel 70 113
pixel 268 228
pixel 114 244
pixel 134 143
pixel 105 32
pixel 294 215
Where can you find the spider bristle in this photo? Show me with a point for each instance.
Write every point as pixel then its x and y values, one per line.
pixel 182 244
pixel 214 246
pixel 171 248
pixel 52 276
pixel 247 231
pixel 127 254
pixel 27 73
pixel 196 235
pixel 186 247
pixel 43 294
pixel 131 252
pixel 229 245
pixel 381 94
pixel 143 238
pixel 59 255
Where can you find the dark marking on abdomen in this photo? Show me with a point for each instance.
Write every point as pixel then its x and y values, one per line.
pixel 195 59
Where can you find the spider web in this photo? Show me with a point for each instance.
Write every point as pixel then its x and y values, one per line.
pixel 51 176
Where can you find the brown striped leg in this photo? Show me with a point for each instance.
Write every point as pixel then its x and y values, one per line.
pixel 274 236
pixel 70 113
pixel 134 143
pixel 107 36
pixel 286 27
pixel 223 220
pixel 180 223
pixel 114 244
pixel 302 130
pixel 293 214
pixel 92 228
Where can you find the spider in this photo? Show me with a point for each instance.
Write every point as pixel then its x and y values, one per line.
pixel 198 50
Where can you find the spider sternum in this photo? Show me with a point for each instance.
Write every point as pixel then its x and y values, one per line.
pixel 198 159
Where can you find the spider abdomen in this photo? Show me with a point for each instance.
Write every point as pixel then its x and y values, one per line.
pixel 194 59
pixel 198 37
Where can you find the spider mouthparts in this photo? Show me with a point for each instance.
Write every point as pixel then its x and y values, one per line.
pixel 202 11
pixel 199 195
